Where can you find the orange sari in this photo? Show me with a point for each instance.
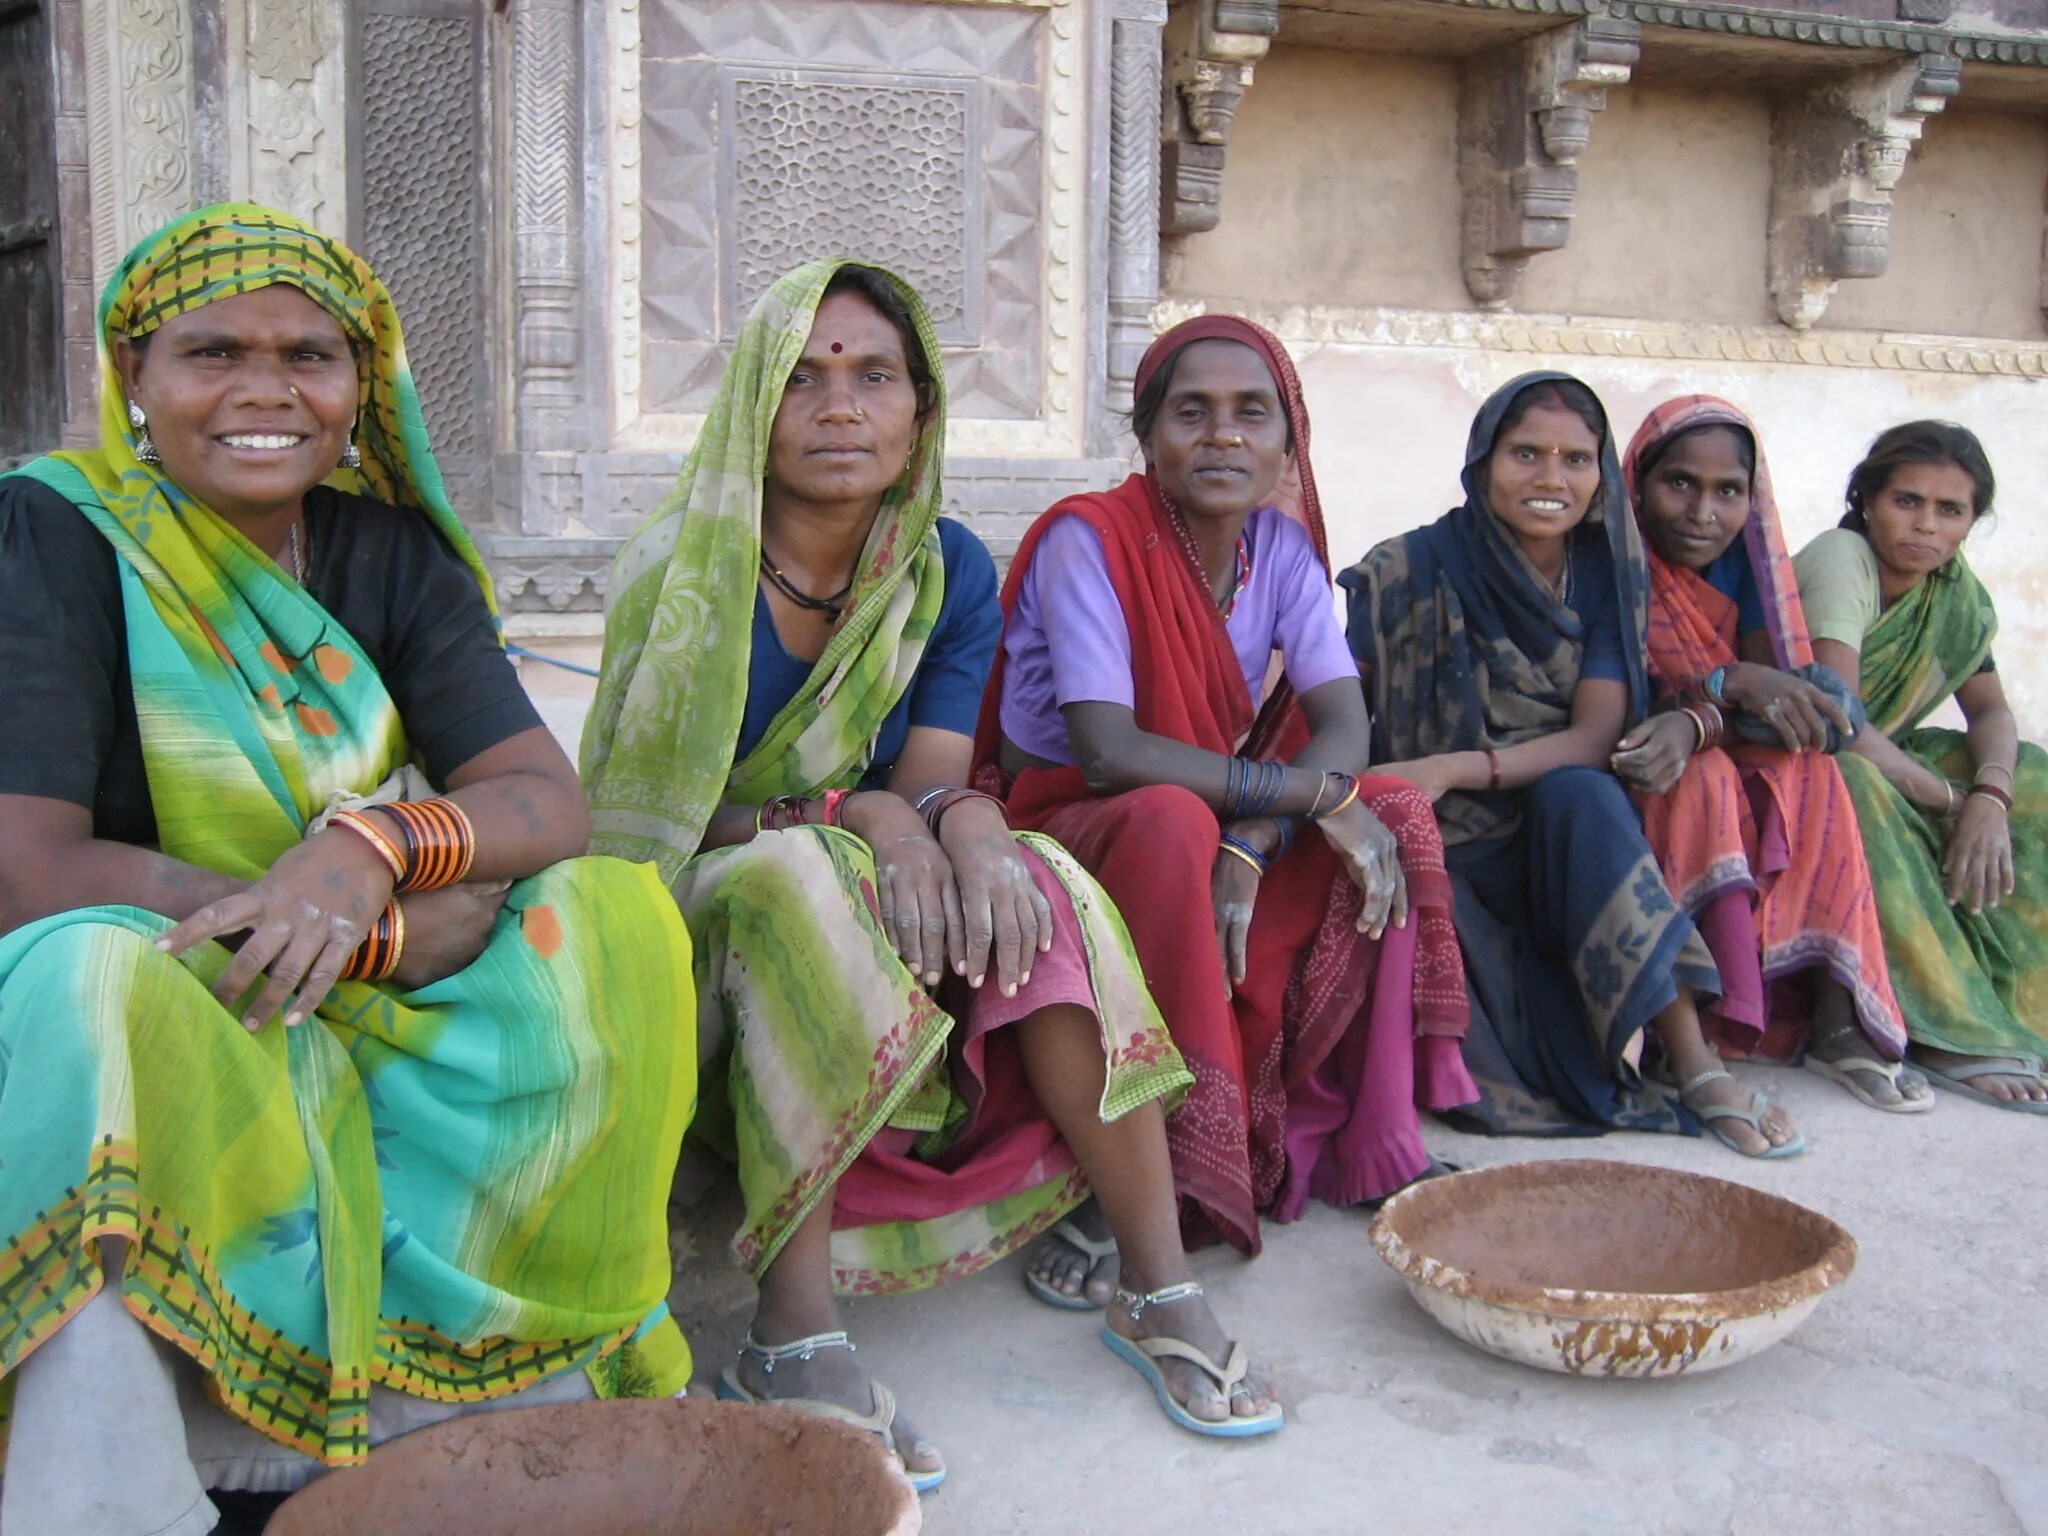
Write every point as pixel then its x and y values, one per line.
pixel 1759 845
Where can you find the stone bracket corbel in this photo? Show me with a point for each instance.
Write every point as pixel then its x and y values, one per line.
pixel 1211 46
pixel 1837 152
pixel 1525 116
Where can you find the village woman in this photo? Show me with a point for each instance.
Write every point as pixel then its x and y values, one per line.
pixel 1504 646
pixel 1757 838
pixel 324 1057
pixel 926 1039
pixel 1955 823
pixel 1291 911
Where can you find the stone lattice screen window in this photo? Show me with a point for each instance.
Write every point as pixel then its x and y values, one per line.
pixel 887 165
pixel 780 131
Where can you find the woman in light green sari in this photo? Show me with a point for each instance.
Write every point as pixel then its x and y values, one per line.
pixel 239 633
pixel 923 1039
pixel 1955 824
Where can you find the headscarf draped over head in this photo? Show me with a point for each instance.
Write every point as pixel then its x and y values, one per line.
pixel 235 248
pixel 1467 647
pixel 1682 635
pixel 658 746
pixel 229 615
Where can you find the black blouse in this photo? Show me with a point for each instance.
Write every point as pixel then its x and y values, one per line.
pixel 384 573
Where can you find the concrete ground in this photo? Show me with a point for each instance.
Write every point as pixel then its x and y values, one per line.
pixel 1915 1400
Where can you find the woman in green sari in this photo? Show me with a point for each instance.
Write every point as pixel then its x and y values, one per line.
pixel 324 1058
pixel 923 1039
pixel 1955 823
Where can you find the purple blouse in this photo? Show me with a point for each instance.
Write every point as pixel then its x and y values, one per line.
pixel 1067 642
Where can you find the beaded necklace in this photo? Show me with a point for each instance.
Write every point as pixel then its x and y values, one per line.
pixel 831 606
pixel 1193 556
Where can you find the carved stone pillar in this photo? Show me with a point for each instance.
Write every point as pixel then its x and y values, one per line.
pixel 1211 46
pixel 287 139
pixel 1837 151
pixel 1525 115
pixel 1134 67
pixel 79 298
pixel 139 115
pixel 547 194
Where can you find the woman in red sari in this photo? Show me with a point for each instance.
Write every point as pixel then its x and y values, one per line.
pixel 1758 841
pixel 1292 917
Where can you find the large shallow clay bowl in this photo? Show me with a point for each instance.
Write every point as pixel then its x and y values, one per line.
pixel 669 1468
pixel 1610 1269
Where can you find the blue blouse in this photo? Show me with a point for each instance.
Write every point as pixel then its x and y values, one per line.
pixel 945 694
pixel 1731 576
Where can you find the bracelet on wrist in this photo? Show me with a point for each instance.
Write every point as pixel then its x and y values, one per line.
pixel 1492 770
pixel 440 843
pixel 1239 848
pixel 381 950
pixel 1992 793
pixel 1350 794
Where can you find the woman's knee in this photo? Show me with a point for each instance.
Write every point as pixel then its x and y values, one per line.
pixel 1577 790
pixel 1175 822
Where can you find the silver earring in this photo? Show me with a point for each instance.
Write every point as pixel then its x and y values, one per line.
pixel 351 456
pixel 145 450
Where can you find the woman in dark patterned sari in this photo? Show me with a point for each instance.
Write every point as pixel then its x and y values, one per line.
pixel 1504 645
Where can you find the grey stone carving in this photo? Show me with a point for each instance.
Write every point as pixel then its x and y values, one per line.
pixel 1837 151
pixel 547 144
pixel 1211 46
pixel 138 62
pixel 420 214
pixel 886 162
pixel 1525 115
pixel 1134 151
pixel 751 163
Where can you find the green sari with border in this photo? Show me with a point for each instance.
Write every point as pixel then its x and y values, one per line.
pixel 1972 983
pixel 455 1192
pixel 813 1038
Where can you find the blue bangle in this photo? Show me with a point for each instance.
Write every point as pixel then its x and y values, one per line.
pixel 1713 684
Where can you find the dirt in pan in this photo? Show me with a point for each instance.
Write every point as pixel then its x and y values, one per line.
pixel 669 1468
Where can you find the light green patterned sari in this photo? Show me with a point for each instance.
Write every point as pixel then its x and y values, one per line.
pixel 1972 983
pixel 454 1192
pixel 814 1039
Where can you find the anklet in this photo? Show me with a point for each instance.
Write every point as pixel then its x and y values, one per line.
pixel 1135 1302
pixel 795 1349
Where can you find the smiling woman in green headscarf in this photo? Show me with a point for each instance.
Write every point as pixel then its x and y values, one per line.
pixel 322 1054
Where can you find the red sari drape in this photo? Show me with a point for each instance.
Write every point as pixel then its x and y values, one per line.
pixel 1758 844
pixel 1312 979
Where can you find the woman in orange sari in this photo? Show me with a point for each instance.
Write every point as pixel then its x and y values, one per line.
pixel 1741 801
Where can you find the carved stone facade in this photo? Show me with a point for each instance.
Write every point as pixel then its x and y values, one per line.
pixel 1525 115
pixel 576 201
pixel 1837 152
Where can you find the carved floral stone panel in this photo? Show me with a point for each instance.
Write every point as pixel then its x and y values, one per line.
pixel 908 132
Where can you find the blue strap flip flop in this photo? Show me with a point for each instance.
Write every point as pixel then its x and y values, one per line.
pixel 1144 1355
pixel 1960 1080
pixel 1711 1116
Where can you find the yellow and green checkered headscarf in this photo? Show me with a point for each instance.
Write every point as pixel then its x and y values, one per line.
pixel 255 704
pixel 234 248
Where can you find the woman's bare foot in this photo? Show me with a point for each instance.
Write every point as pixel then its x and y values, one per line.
pixel 2019 1086
pixel 1060 1266
pixel 1191 1321
pixel 831 1375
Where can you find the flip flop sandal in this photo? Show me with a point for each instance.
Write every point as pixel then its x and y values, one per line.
pixel 1070 1234
pixel 1959 1079
pixel 880 1421
pixel 1843 1070
pixel 1712 1115
pixel 1144 1355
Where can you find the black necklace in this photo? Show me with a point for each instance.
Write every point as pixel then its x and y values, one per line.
pixel 832 607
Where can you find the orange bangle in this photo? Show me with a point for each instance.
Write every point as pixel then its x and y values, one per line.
pixel 440 843
pixel 372 834
pixel 377 956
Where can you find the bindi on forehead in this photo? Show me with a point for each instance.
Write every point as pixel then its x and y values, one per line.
pixel 838 347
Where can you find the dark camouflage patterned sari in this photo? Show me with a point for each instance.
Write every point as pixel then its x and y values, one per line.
pixel 1572 941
